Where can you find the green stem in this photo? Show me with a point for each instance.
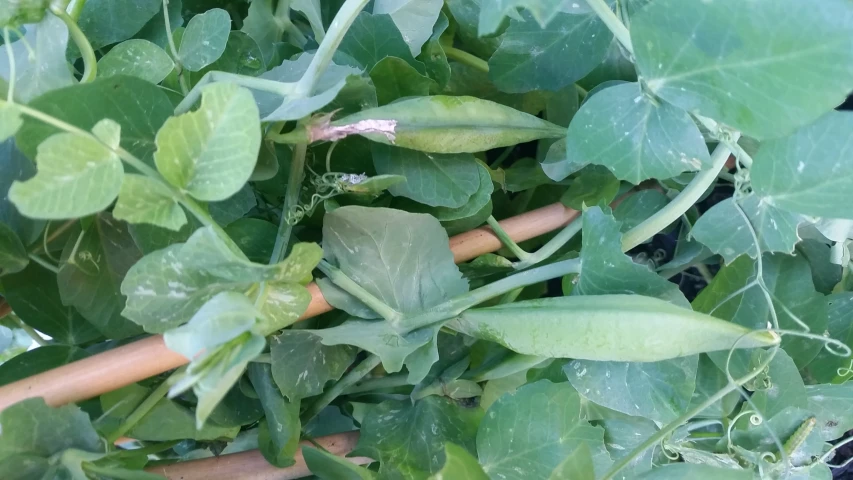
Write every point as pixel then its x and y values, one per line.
pixel 466 58
pixel 347 284
pixel 351 378
pixel 689 196
pixel 343 20
pixel 282 19
pixel 706 274
pixel 179 67
pixel 582 91
pixel 379 383
pixel 77 10
pixel 44 263
pixel 502 158
pixel 28 330
pixel 10 93
pixel 279 88
pixel 90 62
pixel 142 410
pixel 620 31
pixel 670 427
pixel 506 239
pixel 550 248
pixel 291 198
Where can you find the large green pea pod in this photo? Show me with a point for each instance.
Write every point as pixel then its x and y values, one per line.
pixel 441 124
pixel 622 328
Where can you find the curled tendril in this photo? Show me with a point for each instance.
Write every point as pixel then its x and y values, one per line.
pixel 669 451
pixel 326 186
pixel 845 371
pixel 756 419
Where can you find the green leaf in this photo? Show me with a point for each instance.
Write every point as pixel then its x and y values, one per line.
pixel 394 79
pixel 143 199
pixel 435 179
pixel 578 465
pixel 47 68
pixel 531 56
pixel 839 314
pixel 222 318
pixel 47 315
pixel 710 380
pixel 38 360
pixel 14 167
pixel 242 56
pixel 476 202
pixel 747 65
pixel 10 121
pixel 165 288
pixel 637 207
pixel 211 152
pixel 90 280
pixel 281 426
pixel 76 176
pixel 608 270
pixel 458 463
pixel 13 255
pixel 833 407
pixel 636 136
pixel 137 58
pixel 30 427
pixel 234 207
pixel 433 56
pixel 786 388
pixel 261 25
pixel 401 258
pixel 204 39
pixel 442 124
pixel 413 18
pixel 467 80
pixel 301 364
pixel 138 106
pixel 622 434
pixel 311 10
pixel 594 185
pixel 543 11
pixel 677 471
pixel 106 22
pixel 410 438
pixel 331 467
pixel 374 37
pixel 784 425
pixel 726 231
pixel 809 171
pixel 548 418
pixel 659 391
pixel 155 29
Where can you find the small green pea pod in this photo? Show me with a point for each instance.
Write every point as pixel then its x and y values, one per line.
pixel 441 124
pixel 14 13
pixel 621 328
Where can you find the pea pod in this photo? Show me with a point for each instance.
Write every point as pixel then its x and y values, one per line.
pixel 441 124
pixel 622 328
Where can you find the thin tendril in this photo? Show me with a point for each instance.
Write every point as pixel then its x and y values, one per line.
pixel 830 453
pixel 329 156
pixel 10 94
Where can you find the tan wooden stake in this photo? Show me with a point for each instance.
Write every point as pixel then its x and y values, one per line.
pixel 145 358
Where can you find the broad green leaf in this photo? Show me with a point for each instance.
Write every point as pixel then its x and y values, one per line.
pixel 414 19
pixel 477 201
pixel 401 258
pixel 47 68
pixel 47 315
pixel 710 379
pixel 622 434
pixel 524 174
pixel 242 56
pixel 726 231
pixel 784 425
pixel 137 58
pixel 331 82
pixel 222 318
pixel 30 427
pixel 659 391
pixel 639 206
pixel 143 199
pixel 809 171
pixel 311 10
pixel 168 420
pixel 466 80
pixel 211 152
pixel 155 29
pixel 76 175
pixel 458 463
pixel 833 407
pixel 543 11
pixel 239 407
pixel 13 255
pixel 106 22
pixel 657 330
pixel 394 79
pixel 15 167
pixel 442 124
pixel 594 185
pixel 281 426
pixel 38 360
pixel 138 106
pixel 556 164
pixel 90 280
pixel 839 314
pixel 284 303
pixel 332 467
pixel 261 25
pixel 747 65
pixel 165 288
pixel 433 56
pixel 532 57
pixel 578 465
pixel 10 121
pixel 205 39
pixel 342 300
pixel 678 471
pixel 151 238
pixel 374 37
pixel 234 207
pixel 435 179
pixel 301 364
pixel 410 438
pixel 636 136
pixel 608 270
pixel 785 389
pixel 547 419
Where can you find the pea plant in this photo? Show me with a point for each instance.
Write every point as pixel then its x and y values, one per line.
pixel 299 200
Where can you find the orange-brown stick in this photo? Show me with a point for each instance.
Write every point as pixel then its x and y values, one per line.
pixel 145 358
pixel 251 465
